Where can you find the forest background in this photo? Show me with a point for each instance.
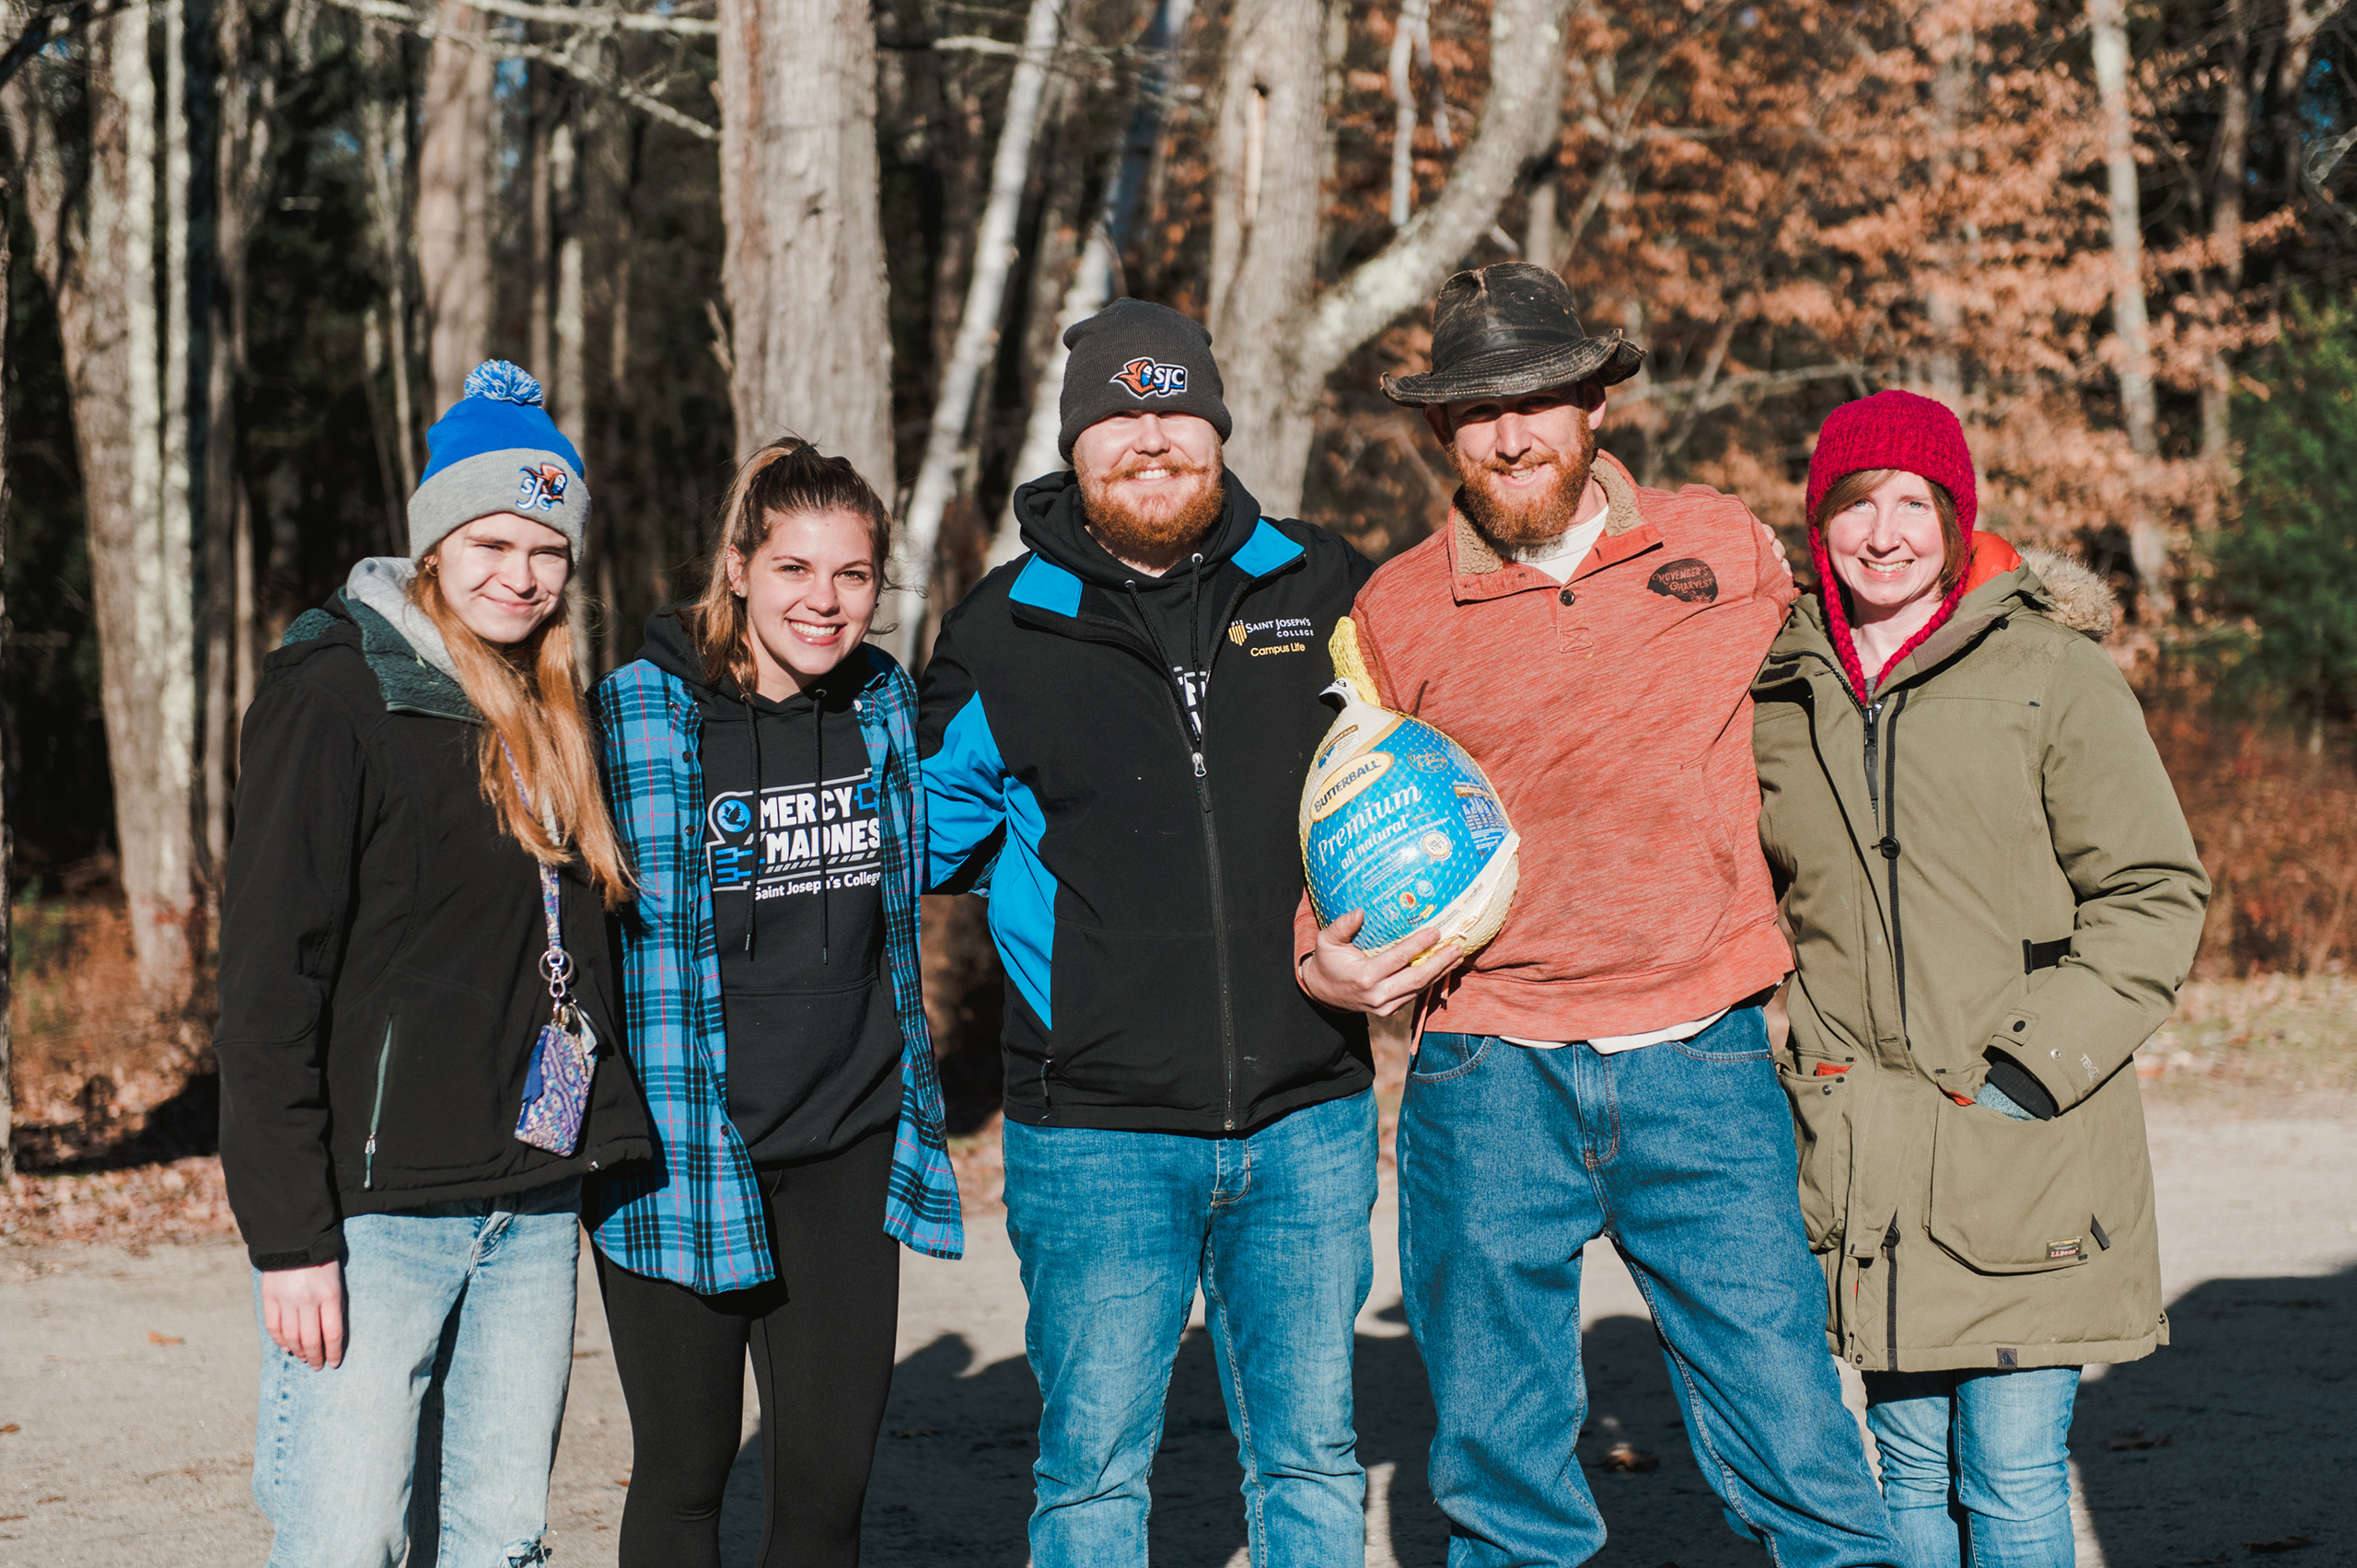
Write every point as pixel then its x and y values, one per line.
pixel 251 247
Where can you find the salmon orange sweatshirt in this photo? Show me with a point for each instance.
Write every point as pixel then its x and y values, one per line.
pixel 1612 712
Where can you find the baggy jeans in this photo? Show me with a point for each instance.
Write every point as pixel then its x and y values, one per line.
pixel 1511 1160
pixel 469 1300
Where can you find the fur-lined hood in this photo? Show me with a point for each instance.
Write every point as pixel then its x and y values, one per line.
pixel 2078 596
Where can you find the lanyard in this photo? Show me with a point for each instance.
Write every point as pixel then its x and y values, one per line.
pixel 556 964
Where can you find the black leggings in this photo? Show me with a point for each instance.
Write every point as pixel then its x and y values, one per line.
pixel 822 1334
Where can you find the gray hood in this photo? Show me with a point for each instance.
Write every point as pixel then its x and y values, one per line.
pixel 381 583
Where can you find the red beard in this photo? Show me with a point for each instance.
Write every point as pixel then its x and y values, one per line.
pixel 1533 518
pixel 1183 514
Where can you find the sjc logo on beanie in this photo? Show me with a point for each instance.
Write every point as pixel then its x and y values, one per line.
pixel 1151 378
pixel 544 487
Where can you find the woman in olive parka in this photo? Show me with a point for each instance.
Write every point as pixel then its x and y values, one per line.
pixel 1993 898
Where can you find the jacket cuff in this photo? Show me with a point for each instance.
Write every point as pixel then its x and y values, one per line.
pixel 2017 1083
pixel 328 1248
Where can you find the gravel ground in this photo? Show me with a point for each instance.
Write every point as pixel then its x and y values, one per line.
pixel 126 1388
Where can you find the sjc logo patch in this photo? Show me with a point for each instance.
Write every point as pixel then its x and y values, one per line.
pixel 544 487
pixel 1151 378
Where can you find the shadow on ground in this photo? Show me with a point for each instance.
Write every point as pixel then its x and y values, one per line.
pixel 953 1475
pixel 2236 1443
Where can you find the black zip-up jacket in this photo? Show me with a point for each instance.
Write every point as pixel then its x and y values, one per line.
pixel 1120 760
pixel 380 945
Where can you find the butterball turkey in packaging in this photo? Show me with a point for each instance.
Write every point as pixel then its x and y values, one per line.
pixel 1396 819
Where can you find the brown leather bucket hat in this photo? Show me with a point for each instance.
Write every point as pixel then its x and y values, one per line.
pixel 1503 330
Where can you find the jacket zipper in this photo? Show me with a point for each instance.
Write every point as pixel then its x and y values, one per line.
pixel 375 1111
pixel 1882 752
pixel 1219 900
pixel 1219 940
pixel 1220 957
pixel 1890 1296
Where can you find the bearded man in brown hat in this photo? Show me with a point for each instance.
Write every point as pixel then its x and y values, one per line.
pixel 1602 1068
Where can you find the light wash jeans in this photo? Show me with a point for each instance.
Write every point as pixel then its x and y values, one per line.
pixel 472 1300
pixel 1513 1159
pixel 1975 1466
pixel 1114 1230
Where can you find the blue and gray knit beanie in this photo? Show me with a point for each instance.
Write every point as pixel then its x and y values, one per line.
pixel 497 450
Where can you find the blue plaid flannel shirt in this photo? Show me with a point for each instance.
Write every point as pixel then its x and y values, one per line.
pixel 693 1214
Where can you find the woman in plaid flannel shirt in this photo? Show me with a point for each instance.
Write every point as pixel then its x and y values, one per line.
pixel 760 761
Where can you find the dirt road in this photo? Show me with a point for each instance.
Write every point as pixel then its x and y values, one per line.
pixel 126 1389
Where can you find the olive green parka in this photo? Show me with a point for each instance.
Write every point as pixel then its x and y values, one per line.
pixel 1988 856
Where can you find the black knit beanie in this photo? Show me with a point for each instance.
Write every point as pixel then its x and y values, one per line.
pixel 1132 357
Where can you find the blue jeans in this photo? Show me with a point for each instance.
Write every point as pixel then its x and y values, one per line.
pixel 472 1299
pixel 1975 1466
pixel 1511 1160
pixel 1114 1230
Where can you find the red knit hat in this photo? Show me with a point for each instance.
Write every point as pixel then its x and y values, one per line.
pixel 1890 430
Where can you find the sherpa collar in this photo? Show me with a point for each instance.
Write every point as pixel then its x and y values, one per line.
pixel 1478 570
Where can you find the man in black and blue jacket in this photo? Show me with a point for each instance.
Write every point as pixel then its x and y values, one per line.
pixel 1114 728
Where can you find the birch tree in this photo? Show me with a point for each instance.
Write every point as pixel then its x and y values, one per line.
pixel 1277 333
pixel 1096 278
pixel 2147 536
pixel 977 325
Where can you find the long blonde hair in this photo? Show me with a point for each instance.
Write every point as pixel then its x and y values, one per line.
pixel 786 477
pixel 527 697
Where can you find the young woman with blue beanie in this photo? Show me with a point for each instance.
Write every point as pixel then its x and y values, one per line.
pixel 417 1019
pixel 761 758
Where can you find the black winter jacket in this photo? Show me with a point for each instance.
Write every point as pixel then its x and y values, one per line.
pixel 1143 875
pixel 380 943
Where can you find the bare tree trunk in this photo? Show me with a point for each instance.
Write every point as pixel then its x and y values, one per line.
pixel 1411 35
pixel 1278 338
pixel 2226 226
pixel 540 241
pixel 7 837
pixel 2147 538
pixel 810 345
pixel 454 228
pixel 568 344
pixel 1097 276
pixel 1951 53
pixel 99 264
pixel 384 140
pixel 978 326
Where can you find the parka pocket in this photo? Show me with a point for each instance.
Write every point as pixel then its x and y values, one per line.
pixel 1820 1091
pixel 2010 1197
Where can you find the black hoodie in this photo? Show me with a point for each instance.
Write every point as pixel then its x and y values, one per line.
pixel 1122 757
pixel 797 909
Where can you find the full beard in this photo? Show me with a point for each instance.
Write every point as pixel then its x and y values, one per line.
pixel 1538 516
pixel 1178 515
